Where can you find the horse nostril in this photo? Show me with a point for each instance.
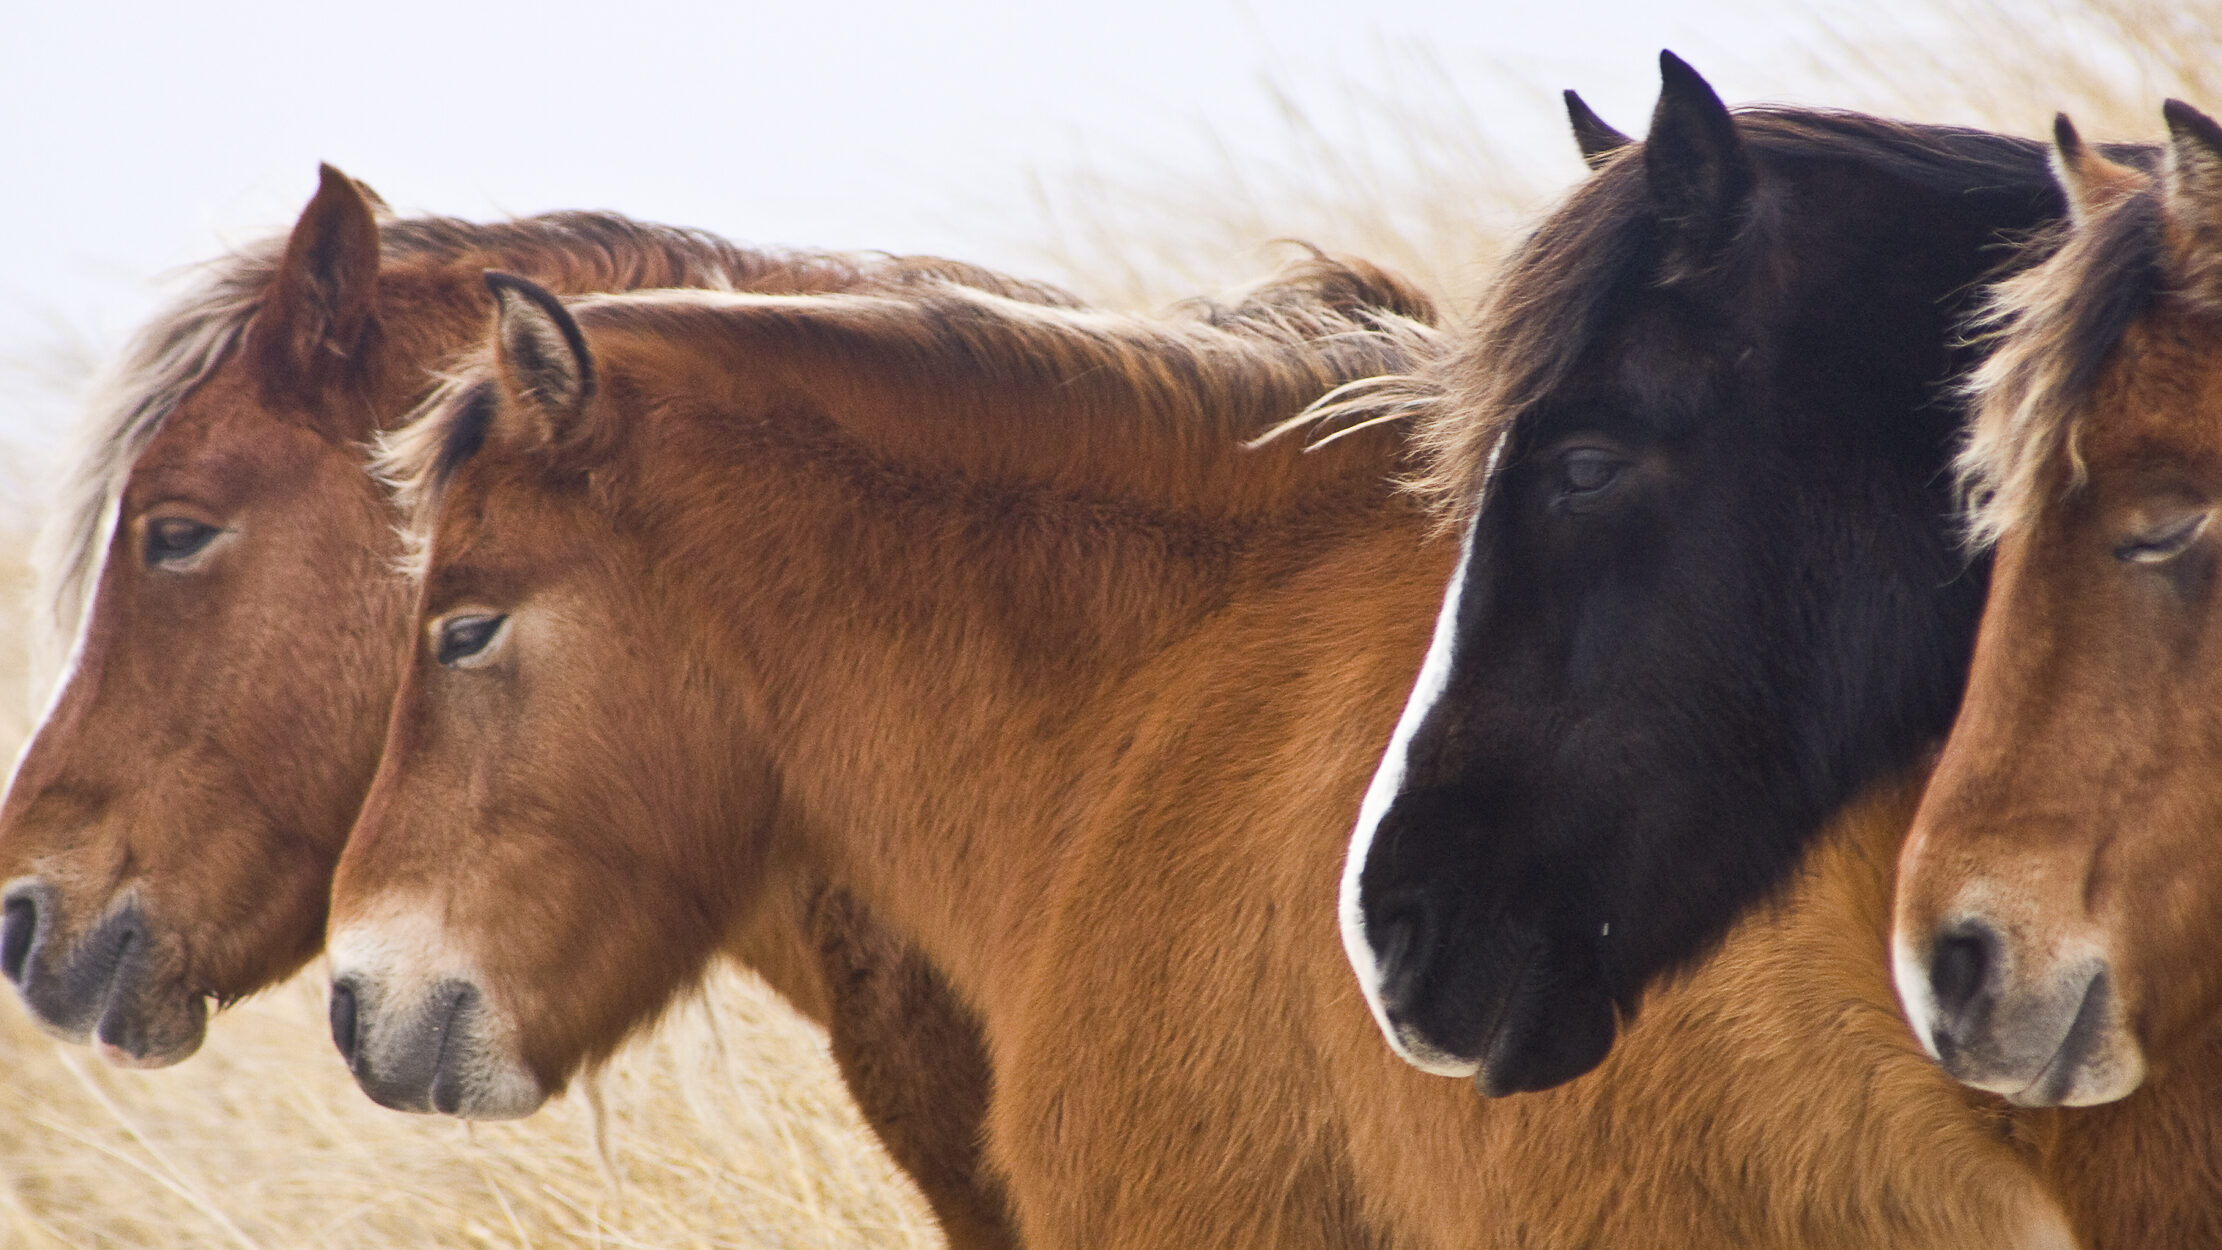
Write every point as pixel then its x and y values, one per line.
pixel 16 929
pixel 343 1019
pixel 1960 966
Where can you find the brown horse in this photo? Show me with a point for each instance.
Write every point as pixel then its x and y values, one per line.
pixel 2062 879
pixel 955 602
pixel 223 568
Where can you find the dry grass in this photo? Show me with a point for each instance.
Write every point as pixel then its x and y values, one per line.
pixel 1406 166
pixel 2013 64
pixel 1416 177
pixel 728 1127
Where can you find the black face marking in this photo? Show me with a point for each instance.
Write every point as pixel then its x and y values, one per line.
pixel 1715 586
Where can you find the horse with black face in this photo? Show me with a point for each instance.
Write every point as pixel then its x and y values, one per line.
pixel 222 572
pixel 1710 585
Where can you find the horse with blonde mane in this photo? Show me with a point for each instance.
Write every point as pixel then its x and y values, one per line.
pixel 2061 882
pixel 976 609
pixel 222 567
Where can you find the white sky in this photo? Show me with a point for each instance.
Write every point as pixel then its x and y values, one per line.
pixel 142 135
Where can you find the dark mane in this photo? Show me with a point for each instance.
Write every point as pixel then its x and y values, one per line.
pixel 2054 326
pixel 1552 296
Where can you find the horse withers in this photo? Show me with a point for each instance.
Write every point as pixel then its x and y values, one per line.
pixel 2062 880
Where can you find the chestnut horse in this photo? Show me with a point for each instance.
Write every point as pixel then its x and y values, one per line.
pixel 224 567
pixel 2059 886
pixel 958 603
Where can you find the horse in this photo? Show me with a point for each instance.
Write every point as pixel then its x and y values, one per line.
pixel 2056 893
pixel 1710 587
pixel 223 566
pixel 978 611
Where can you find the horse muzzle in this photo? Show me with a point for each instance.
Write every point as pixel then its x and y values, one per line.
pixel 2042 1033
pixel 1501 1002
pixel 116 986
pixel 434 1051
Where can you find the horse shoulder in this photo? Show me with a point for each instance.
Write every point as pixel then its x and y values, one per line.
pixel 1163 1085
pixel 1768 1098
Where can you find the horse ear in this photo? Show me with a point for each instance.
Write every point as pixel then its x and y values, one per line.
pixel 377 202
pixel 321 300
pixel 2194 168
pixel 541 354
pixel 2090 182
pixel 1598 141
pixel 1701 179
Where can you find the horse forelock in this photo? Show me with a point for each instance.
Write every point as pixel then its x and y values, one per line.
pixel 2053 328
pixel 1209 376
pixel 1544 311
pixel 1554 293
pixel 416 458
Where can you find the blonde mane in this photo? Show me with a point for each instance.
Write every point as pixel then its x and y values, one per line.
pixel 2052 328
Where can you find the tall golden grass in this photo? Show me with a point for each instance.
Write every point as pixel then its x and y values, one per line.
pixel 727 1126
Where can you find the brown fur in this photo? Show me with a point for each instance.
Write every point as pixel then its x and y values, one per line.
pixel 220 728
pixel 2075 803
pixel 1083 710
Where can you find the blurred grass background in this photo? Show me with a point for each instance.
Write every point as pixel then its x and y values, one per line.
pixel 728 1127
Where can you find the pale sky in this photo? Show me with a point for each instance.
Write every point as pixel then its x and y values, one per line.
pixel 143 135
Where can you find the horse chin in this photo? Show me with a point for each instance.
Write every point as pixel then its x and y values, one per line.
pixel 1547 1038
pixel 1513 1011
pixel 116 986
pixel 152 1030
pixel 2063 1043
pixel 2096 1060
pixel 440 1051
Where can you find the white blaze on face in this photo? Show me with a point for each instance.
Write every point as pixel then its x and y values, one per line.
pixel 1387 780
pixel 76 655
pixel 403 950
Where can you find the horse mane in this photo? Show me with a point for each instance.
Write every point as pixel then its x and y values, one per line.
pixel 2053 328
pixel 1206 377
pixel 1552 294
pixel 205 324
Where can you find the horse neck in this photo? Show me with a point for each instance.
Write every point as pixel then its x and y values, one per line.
pixel 945 663
pixel 432 301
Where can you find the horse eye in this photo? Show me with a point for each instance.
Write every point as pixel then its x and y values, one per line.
pixel 462 640
pixel 174 540
pixel 2165 543
pixel 1587 470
